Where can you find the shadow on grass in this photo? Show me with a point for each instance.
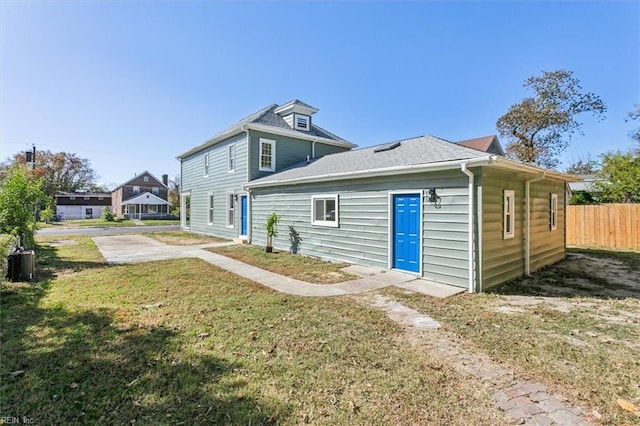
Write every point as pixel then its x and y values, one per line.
pixel 588 273
pixel 62 366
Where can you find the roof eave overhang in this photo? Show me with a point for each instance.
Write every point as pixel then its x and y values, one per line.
pixel 397 170
pixel 267 129
pixel 488 160
pixel 505 163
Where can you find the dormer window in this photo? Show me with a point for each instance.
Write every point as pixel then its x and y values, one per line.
pixel 301 122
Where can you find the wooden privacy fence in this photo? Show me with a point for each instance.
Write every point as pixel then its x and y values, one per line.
pixel 604 225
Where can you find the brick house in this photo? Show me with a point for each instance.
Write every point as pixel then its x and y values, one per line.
pixel 143 196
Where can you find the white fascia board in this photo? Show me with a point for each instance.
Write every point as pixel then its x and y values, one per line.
pixel 396 170
pixel 292 107
pixel 505 163
pixel 298 135
pixel 214 140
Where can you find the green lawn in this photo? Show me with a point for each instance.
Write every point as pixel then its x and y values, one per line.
pixel 564 327
pixel 182 341
pixel 295 266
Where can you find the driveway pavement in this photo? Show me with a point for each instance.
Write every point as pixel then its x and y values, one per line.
pixel 107 230
pixel 137 248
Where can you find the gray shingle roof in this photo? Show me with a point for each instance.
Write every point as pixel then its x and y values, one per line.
pixel 409 152
pixel 266 116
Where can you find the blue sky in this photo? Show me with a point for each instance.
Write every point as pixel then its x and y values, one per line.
pixel 130 85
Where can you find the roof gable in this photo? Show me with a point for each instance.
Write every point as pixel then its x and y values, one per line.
pixel 137 177
pixel 489 144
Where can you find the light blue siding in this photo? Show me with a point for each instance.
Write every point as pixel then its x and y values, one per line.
pixel 289 151
pixel 219 182
pixel 363 234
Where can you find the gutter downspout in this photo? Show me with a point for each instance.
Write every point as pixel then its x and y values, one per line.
pixel 313 148
pixel 472 283
pixel 527 248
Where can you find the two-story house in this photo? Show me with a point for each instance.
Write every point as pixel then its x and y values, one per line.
pixel 142 196
pixel 213 200
pixel 459 214
pixel 80 205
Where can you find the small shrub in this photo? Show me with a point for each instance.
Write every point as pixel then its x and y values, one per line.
pixel 47 215
pixel 108 215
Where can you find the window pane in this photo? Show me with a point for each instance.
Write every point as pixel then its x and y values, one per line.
pixel 508 224
pixel 265 159
pixel 330 210
pixel 318 209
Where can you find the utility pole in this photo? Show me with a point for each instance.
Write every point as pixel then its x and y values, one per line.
pixel 34 156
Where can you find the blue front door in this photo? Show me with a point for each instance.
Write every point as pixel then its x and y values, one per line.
pixel 406 232
pixel 243 215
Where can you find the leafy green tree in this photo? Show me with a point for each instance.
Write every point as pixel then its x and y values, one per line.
pixel 20 193
pixel 620 178
pixel 583 166
pixel 61 171
pixel 581 197
pixel 538 128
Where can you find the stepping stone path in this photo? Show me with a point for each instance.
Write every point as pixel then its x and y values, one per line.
pixel 525 402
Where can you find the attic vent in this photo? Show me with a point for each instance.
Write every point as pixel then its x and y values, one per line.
pixel 387 147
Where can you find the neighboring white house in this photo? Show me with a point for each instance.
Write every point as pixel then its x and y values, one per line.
pixel 81 205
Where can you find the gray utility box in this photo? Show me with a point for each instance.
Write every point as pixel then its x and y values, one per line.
pixel 21 265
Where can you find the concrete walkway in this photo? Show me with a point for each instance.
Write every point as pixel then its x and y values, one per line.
pixel 137 248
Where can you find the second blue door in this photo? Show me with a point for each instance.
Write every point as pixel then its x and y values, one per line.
pixel 243 215
pixel 406 232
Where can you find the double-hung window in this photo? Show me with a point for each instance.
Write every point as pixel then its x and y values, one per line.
pixel 231 160
pixel 324 210
pixel 136 189
pixel 554 212
pixel 210 209
pixel 509 213
pixel 230 210
pixel 206 165
pixel 155 190
pixel 267 155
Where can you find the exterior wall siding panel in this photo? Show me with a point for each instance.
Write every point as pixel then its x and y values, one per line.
pixel 219 182
pixel 363 233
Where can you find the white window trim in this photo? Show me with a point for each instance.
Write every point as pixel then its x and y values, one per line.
pixel 553 212
pixel 136 191
pixel 273 155
pixel 329 223
pixel 229 168
pixel 508 215
pixel 210 210
pixel 229 206
pixel 295 122
pixel 146 178
pixel 206 165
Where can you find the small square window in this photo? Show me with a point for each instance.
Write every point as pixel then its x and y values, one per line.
pixel 509 213
pixel 553 212
pixel 301 122
pixel 146 179
pixel 324 210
